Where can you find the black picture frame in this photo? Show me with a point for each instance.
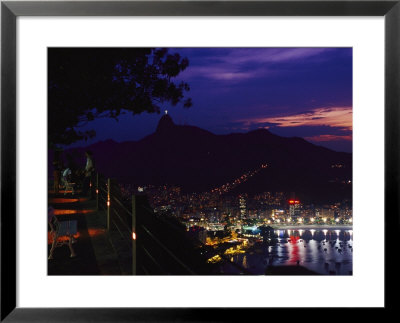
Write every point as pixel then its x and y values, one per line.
pixel 10 10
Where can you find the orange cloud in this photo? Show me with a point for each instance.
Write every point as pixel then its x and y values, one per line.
pixel 341 117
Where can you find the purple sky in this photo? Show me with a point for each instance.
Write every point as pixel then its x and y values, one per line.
pixel 303 92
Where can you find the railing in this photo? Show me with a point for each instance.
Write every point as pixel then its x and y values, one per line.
pixel 145 236
pixel 120 220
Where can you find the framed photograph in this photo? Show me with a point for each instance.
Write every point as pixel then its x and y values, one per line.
pixel 161 158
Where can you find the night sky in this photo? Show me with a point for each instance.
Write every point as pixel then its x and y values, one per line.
pixel 303 92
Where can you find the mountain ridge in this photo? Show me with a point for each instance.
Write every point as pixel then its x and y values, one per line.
pixel 198 160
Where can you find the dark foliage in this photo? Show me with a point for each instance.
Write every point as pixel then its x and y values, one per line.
pixel 89 83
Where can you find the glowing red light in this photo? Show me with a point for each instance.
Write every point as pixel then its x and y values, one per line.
pixel 133 235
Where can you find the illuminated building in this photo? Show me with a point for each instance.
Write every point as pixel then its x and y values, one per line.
pixel 326 213
pixel 242 206
pixel 215 226
pixel 294 209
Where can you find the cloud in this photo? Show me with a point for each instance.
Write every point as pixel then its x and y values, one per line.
pixel 271 55
pixel 238 64
pixel 219 73
pixel 324 116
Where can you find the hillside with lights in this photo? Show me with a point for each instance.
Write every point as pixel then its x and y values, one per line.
pixel 199 161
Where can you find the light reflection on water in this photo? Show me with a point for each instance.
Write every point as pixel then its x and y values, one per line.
pixel 323 251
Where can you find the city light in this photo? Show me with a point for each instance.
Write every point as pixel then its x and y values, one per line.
pixel 215 259
pixel 227 219
pixel 241 179
pixel 233 251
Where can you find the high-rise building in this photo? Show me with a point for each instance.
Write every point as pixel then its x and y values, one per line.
pixel 294 209
pixel 242 207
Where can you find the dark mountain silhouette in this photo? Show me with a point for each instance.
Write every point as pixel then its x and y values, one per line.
pixel 199 160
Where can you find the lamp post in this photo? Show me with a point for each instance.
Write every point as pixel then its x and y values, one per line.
pixel 108 203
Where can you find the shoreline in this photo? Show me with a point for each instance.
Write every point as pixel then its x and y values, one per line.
pixel 313 226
